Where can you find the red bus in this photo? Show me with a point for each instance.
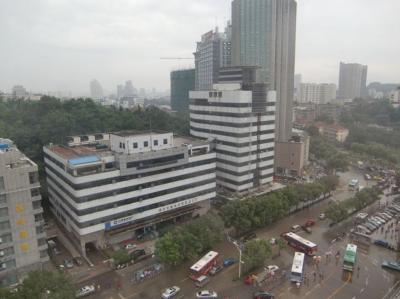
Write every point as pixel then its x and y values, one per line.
pixel 300 243
pixel 204 265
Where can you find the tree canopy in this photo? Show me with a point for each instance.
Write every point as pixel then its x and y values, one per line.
pixel 42 284
pixel 255 253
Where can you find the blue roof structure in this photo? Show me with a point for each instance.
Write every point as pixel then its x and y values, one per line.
pixel 83 160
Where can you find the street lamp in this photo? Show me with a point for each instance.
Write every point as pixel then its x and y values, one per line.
pixel 239 247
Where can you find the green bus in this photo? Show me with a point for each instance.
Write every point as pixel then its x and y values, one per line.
pixel 350 257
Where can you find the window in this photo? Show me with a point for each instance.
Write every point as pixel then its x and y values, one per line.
pixel 155 142
pixel 165 141
pixel 36 204
pixel 210 94
pixel 220 94
pixel 146 144
pixel 5 225
pixel 7 265
pixel 6 252
pixel 38 217
pixel 1 184
pixel 5 238
pixel 41 242
pixel 120 145
pixel 33 177
pixel 123 145
pixel 35 192
pixel 3 212
pixel 3 199
pixel 135 145
pixel 43 253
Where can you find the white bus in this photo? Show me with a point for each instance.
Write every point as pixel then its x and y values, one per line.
pixel 296 274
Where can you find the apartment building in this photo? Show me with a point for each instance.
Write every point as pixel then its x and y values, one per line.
pixel 107 188
pixel 333 132
pixel 238 115
pixel 23 246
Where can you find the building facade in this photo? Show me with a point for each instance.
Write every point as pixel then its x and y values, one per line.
pixel 264 35
pixel 212 53
pixel 19 92
pixel 292 156
pixel 23 246
pixel 352 80
pixel 182 81
pixel 106 188
pixel 332 132
pixel 238 115
pixel 317 93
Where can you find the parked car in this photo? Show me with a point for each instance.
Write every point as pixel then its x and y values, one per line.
pixel 381 219
pixel 322 216
pixel 248 237
pixel 391 265
pixel 202 281
pixel 370 226
pixel 310 222
pixel 214 270
pixel 382 243
pixel 228 262
pixel 170 292
pixel 137 253
pixel 272 268
pixel 206 294
pixel 68 264
pixel 387 215
pixel 85 291
pixel 295 228
pixel 363 229
pixel 263 295
pixel 130 246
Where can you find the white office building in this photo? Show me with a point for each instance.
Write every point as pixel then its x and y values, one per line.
pixel 106 188
pixel 239 118
pixel 317 93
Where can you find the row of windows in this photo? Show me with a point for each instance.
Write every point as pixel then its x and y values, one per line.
pixel 126 189
pixel 238 155
pixel 241 164
pixel 134 199
pixel 126 177
pixel 204 102
pixel 146 143
pixel 229 114
pixel 5 225
pixel 242 182
pixel 244 172
pixel 231 124
pixel 246 144
pixel 230 134
pixel 156 162
pixel 135 211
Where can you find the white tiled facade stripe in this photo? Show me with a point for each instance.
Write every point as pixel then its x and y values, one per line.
pixel 123 196
pixel 129 183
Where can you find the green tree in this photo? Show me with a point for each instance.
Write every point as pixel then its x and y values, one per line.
pixel 42 284
pixel 281 245
pixel 255 253
pixel 169 249
pixel 338 162
pixel 121 257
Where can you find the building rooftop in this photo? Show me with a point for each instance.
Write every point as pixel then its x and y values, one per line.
pixel 128 133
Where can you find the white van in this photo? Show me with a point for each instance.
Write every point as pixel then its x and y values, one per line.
pixel 202 281
pixel 295 228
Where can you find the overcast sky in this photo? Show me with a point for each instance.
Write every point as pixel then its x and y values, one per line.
pixel 50 45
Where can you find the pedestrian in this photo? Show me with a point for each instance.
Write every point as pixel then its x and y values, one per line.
pixel 315 275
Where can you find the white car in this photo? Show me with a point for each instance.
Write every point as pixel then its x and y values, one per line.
pixel 170 292
pixel 130 246
pixel 272 268
pixel 322 216
pixel 206 294
pixel 85 291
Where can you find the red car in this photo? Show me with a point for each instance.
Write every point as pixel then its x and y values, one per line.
pixel 309 222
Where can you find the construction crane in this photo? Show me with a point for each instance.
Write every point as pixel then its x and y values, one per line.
pixel 176 58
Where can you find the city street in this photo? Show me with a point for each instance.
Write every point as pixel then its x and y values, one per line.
pixel 370 281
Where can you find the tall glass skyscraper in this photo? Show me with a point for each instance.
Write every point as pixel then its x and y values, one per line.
pixel 264 35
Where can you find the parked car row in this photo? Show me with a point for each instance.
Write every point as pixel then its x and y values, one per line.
pixel 375 221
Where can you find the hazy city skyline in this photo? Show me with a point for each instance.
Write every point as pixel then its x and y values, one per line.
pixel 63 45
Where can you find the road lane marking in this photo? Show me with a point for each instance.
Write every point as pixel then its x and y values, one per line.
pixel 120 296
pixel 341 287
pixel 186 278
pixel 362 290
